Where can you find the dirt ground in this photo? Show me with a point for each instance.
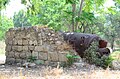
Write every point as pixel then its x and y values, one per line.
pixel 45 72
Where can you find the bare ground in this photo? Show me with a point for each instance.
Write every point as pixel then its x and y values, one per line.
pixel 45 72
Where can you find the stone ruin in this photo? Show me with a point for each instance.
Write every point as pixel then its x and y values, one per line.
pixel 41 42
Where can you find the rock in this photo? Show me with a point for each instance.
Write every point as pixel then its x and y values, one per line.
pixel 29 65
pixel 25 42
pixel 53 56
pixel 38 62
pixel 116 64
pixel 8 48
pixel 19 42
pixel 62 57
pixel 42 56
pixel 11 54
pixel 25 48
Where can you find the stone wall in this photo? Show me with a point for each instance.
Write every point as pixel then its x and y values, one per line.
pixel 41 42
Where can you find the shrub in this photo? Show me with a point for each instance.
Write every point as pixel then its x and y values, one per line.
pixel 92 57
pixel 71 59
pixel 32 59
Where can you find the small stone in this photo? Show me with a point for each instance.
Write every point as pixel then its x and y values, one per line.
pixel 19 48
pixel 116 64
pixel 17 55
pixel 38 62
pixel 19 42
pixel 35 54
pixel 25 48
pixel 8 48
pixel 42 56
pixel 31 47
pixel 62 57
pixel 23 55
pixel 53 56
pixel 25 42
pixel 11 54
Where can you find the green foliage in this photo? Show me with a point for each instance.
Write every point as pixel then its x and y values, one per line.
pixel 71 59
pixel 3 4
pixel 32 59
pixel 20 19
pixel 92 57
pixel 5 24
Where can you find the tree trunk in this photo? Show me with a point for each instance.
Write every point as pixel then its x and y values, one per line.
pixel 73 16
pixel 112 42
pixel 80 10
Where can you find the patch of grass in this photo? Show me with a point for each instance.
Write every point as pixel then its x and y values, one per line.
pixel 92 57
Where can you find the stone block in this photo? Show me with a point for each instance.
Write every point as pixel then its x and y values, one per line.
pixel 33 42
pixel 19 48
pixel 18 61
pixel 42 56
pixel 14 48
pixel 53 56
pixel 40 48
pixel 62 57
pixel 40 42
pixel 31 47
pixel 8 48
pixel 23 55
pixel 25 42
pixel 25 48
pixel 11 54
pixel 35 54
pixel 15 41
pixel 19 42
pixel 28 54
pixel 17 55
pixel 10 60
pixel 6 54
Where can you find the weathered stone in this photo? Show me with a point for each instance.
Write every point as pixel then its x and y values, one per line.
pixel 46 62
pixel 23 55
pixel 53 56
pixel 14 48
pixel 15 42
pixel 58 42
pixel 62 56
pixel 35 54
pixel 12 34
pixel 19 42
pixel 6 54
pixel 11 54
pixel 18 60
pixel 116 64
pixel 10 60
pixel 42 56
pixel 25 48
pixel 17 55
pixel 8 48
pixel 25 42
pixel 33 42
pixel 40 42
pixel 38 62
pixel 28 54
pixel 38 48
pixel 19 48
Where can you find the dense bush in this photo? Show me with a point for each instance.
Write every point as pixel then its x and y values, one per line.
pixel 92 57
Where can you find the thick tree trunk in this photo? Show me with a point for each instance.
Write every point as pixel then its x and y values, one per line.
pixel 112 42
